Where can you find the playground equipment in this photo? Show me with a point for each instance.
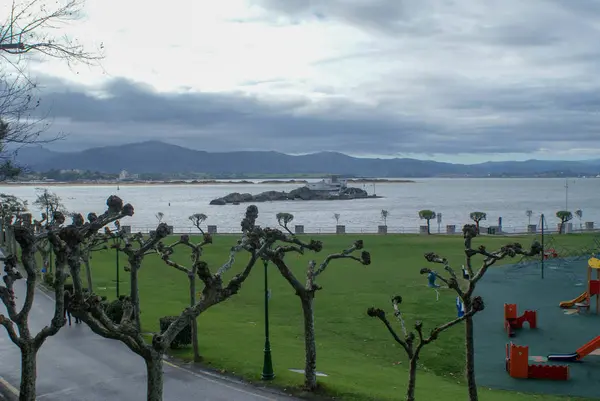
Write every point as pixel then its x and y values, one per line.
pixel 593 289
pixel 578 355
pixel 431 283
pixel 460 307
pixel 512 322
pixel 550 253
pixel 517 366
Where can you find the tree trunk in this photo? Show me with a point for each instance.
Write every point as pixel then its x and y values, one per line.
pixel 193 321
pixel 412 378
pixel 28 373
pixel 428 227
pixel 135 295
pixel 470 348
pixel 310 346
pixel 477 224
pixel 154 371
pixel 88 273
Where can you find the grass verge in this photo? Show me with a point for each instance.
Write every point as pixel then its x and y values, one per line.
pixel 356 352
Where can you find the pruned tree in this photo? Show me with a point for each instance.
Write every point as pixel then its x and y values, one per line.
pixel 579 214
pixel 28 236
pixel 564 216
pixel 88 307
pixel 336 216
pixel 288 242
pixel 427 215
pixel 529 213
pixel 159 216
pixel 384 216
pixel 477 217
pixel 197 219
pixel 191 271
pixel 98 241
pixel 466 291
pixel 11 208
pixel 413 344
pixel 48 203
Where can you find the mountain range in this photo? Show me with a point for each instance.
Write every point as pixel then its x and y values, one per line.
pixel 160 157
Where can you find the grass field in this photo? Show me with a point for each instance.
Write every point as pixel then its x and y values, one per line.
pixel 356 352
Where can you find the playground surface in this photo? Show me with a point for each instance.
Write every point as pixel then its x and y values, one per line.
pixel 560 331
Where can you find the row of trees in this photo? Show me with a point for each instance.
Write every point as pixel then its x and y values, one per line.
pixel 70 241
pixel 69 244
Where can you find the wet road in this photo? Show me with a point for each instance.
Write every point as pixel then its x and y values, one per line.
pixel 78 365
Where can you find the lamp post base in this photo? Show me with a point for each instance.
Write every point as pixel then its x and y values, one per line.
pixel 267 373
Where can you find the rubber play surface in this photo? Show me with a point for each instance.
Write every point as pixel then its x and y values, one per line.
pixel 560 331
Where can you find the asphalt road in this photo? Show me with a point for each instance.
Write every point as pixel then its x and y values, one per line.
pixel 78 365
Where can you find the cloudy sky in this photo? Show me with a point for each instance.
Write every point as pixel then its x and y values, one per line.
pixel 463 80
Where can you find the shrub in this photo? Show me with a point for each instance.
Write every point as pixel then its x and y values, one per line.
pixel 183 338
pixel 49 279
pixel 114 309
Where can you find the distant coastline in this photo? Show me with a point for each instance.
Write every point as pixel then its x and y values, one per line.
pixel 193 182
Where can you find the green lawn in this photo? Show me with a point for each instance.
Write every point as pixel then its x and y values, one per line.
pixel 357 352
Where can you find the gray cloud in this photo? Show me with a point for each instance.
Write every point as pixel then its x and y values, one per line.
pixel 500 76
pixel 472 119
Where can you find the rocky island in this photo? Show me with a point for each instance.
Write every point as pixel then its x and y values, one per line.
pixel 302 193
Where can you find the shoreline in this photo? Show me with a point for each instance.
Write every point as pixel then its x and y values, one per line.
pixel 198 182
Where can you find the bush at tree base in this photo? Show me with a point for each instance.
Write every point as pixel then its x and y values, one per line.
pixel 49 279
pixel 183 338
pixel 114 309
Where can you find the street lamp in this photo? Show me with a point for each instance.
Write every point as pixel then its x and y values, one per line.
pixel 116 238
pixel 267 373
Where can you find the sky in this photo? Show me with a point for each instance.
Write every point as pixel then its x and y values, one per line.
pixel 459 81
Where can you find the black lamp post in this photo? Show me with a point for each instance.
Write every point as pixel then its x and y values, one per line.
pixel 116 238
pixel 267 373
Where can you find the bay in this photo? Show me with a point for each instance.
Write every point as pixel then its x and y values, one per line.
pixel 455 198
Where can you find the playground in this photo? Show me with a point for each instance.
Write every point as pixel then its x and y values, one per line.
pixel 565 336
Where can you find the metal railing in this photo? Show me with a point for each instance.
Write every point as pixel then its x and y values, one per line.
pixel 353 229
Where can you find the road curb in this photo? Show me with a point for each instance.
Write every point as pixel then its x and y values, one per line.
pixel 7 391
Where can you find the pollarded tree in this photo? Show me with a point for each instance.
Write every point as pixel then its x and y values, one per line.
pixel 466 291
pixel 28 237
pixel 94 243
pixel 88 307
pixel 564 216
pixel 408 341
pixel 427 215
pixel 477 217
pixel 336 216
pixel 48 203
pixel 384 216
pixel 579 214
pixel 11 208
pixel 306 292
pixel 191 271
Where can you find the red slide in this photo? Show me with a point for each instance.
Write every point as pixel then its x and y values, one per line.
pixel 583 351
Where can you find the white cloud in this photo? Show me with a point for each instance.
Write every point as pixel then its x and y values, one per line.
pixel 476 70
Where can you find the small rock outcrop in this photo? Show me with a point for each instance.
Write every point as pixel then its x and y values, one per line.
pixel 302 193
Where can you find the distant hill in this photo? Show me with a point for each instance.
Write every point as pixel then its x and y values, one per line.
pixel 160 157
